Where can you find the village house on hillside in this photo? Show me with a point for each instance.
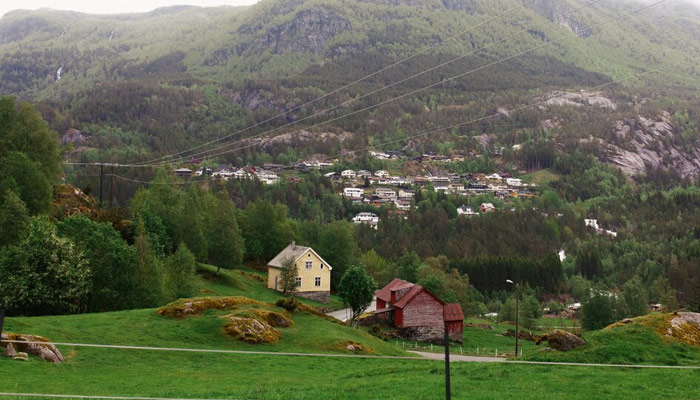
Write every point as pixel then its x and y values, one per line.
pixel 313 272
pixel 419 314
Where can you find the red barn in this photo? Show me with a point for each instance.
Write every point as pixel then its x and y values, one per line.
pixel 419 314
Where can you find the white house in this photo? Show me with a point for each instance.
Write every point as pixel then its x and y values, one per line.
pixel 348 173
pixel 363 173
pixel 240 174
pixel 487 207
pixel 515 182
pixel 385 192
pixel 381 173
pixel 494 177
pixel 267 177
pixel 353 193
pixel 406 193
pixel 466 210
pixel 368 218
pixel 593 223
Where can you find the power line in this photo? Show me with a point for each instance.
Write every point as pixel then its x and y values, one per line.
pixel 444 81
pixel 401 61
pixel 331 355
pixel 438 129
pixel 404 80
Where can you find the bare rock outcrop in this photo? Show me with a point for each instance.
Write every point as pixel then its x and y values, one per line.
pixel 35 345
pixel 643 143
pixel 561 340
pixel 578 99
pixel 686 327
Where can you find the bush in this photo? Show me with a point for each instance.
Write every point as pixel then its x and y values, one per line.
pixel 288 303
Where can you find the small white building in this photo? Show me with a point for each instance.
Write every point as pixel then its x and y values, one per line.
pixel 593 223
pixel 487 207
pixel 363 173
pixel 348 174
pixel 381 173
pixel 466 210
pixel 353 193
pixel 406 193
pixel 385 193
pixel 267 177
pixel 367 218
pixel 515 182
pixel 240 174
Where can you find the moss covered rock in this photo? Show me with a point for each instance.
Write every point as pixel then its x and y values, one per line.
pixel 187 307
pixel 250 330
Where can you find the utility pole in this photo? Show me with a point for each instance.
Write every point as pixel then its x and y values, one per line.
pixel 111 188
pixel 517 313
pixel 448 395
pixel 2 316
pixel 102 166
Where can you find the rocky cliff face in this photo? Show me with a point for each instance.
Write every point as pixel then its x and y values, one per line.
pixel 309 31
pixel 645 142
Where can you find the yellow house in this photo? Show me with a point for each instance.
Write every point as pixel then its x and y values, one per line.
pixel 313 273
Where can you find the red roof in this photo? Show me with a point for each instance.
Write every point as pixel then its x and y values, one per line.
pixel 385 292
pixel 413 293
pixel 453 312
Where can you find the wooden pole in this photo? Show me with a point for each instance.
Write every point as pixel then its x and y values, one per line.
pixel 448 395
pixel 2 317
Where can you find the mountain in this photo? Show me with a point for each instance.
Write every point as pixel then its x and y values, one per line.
pixel 163 81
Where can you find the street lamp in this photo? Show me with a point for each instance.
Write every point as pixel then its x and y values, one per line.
pixel 517 312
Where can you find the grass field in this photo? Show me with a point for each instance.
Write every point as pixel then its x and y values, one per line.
pixel 160 374
pixel 636 343
pixel 149 373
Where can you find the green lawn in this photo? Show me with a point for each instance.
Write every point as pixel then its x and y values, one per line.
pixel 636 343
pixel 160 374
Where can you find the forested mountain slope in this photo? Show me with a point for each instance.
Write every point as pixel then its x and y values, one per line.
pixel 164 81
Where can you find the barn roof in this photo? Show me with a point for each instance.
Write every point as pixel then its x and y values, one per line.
pixel 453 312
pixel 385 292
pixel 413 292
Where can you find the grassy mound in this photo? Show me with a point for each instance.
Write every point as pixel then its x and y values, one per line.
pixel 188 307
pixel 641 340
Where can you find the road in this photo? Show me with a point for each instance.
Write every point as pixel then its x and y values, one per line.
pixel 346 313
pixel 456 358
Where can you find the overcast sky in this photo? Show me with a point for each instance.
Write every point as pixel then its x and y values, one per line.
pixel 112 7
pixel 127 6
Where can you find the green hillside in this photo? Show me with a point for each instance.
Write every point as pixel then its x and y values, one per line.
pixel 641 341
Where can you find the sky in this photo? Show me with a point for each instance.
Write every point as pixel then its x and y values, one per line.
pixel 112 7
pixel 127 6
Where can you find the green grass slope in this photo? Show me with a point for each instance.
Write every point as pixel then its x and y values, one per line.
pixel 639 342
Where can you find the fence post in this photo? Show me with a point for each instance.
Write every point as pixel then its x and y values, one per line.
pixel 496 352
pixel 477 352
pixel 460 350
pixel 416 344
pixel 431 347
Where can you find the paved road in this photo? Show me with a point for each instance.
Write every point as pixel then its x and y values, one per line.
pixel 346 313
pixel 457 358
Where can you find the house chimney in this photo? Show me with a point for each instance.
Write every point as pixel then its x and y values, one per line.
pixel 294 245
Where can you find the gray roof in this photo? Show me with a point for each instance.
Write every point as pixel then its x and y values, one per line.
pixel 293 251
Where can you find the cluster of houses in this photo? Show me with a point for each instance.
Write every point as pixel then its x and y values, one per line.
pixel 268 174
pixel 416 312
pixel 501 185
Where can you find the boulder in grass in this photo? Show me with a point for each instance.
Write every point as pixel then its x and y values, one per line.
pixel 251 330
pixel 35 345
pixel 561 340
pixel 10 350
